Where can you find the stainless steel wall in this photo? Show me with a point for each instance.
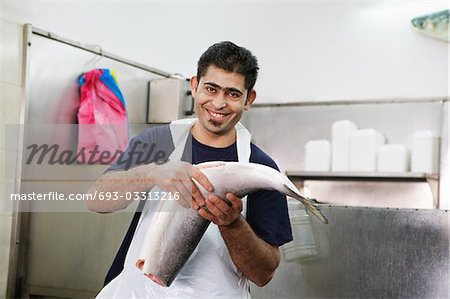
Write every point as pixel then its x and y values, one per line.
pixel 370 253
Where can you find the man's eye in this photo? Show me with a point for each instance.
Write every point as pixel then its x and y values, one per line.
pixel 235 95
pixel 210 89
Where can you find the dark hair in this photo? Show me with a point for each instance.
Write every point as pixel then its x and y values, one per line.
pixel 230 57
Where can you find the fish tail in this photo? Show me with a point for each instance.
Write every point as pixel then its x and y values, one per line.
pixel 307 204
pixel 314 210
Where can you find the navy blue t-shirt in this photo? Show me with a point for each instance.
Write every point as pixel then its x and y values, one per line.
pixel 267 212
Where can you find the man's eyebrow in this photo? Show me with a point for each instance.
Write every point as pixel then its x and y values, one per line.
pixel 232 89
pixel 213 85
pixel 228 89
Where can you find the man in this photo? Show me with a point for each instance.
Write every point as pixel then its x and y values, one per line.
pixel 237 247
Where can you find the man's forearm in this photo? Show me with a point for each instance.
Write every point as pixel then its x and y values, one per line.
pixel 133 180
pixel 255 258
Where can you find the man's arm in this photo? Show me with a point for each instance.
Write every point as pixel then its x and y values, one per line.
pixel 175 177
pixel 133 180
pixel 254 257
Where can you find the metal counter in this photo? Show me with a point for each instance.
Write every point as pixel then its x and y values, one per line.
pixel 370 253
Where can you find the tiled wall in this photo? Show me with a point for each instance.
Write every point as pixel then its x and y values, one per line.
pixel 11 88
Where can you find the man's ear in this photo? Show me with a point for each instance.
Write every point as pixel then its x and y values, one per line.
pixel 250 99
pixel 194 85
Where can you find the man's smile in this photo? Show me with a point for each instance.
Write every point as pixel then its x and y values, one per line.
pixel 216 115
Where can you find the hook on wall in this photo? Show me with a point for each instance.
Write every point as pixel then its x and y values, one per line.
pixel 92 63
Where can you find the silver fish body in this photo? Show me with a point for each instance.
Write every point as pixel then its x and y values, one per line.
pixel 173 235
pixel 245 178
pixel 434 25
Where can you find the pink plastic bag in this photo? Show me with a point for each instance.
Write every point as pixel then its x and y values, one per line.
pixel 102 119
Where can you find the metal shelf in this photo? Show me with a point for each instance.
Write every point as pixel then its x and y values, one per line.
pixel 365 176
pixel 431 179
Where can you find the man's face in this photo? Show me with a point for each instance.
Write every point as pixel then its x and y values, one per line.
pixel 220 99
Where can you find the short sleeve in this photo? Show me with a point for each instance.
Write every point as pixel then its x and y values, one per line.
pixel 267 211
pixel 152 145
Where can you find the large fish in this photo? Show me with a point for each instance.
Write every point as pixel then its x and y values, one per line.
pixel 434 25
pixel 175 232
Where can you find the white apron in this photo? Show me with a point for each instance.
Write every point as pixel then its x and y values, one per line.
pixel 209 272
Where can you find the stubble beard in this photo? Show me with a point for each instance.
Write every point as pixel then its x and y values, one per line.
pixel 214 123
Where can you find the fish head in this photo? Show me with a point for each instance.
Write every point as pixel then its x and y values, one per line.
pixel 434 25
pixel 421 23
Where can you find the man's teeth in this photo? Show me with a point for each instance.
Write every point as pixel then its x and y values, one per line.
pixel 217 114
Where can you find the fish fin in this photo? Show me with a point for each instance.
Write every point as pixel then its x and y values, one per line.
pixel 308 205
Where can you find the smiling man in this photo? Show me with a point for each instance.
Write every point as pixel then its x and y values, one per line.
pixel 243 243
pixel 221 98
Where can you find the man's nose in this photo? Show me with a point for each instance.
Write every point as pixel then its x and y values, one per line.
pixel 219 101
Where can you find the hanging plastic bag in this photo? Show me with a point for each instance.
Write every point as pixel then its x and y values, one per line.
pixel 102 118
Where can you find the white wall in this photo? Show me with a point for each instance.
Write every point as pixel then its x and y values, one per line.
pixel 307 51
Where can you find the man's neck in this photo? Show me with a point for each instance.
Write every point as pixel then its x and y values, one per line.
pixel 214 140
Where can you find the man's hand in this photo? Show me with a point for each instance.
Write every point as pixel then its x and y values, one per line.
pixel 177 177
pixel 254 257
pixel 218 211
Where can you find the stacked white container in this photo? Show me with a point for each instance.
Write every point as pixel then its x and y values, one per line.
pixel 425 152
pixel 341 132
pixel 365 151
pixel 393 158
pixel 364 146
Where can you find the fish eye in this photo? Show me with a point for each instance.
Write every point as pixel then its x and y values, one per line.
pixel 421 24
